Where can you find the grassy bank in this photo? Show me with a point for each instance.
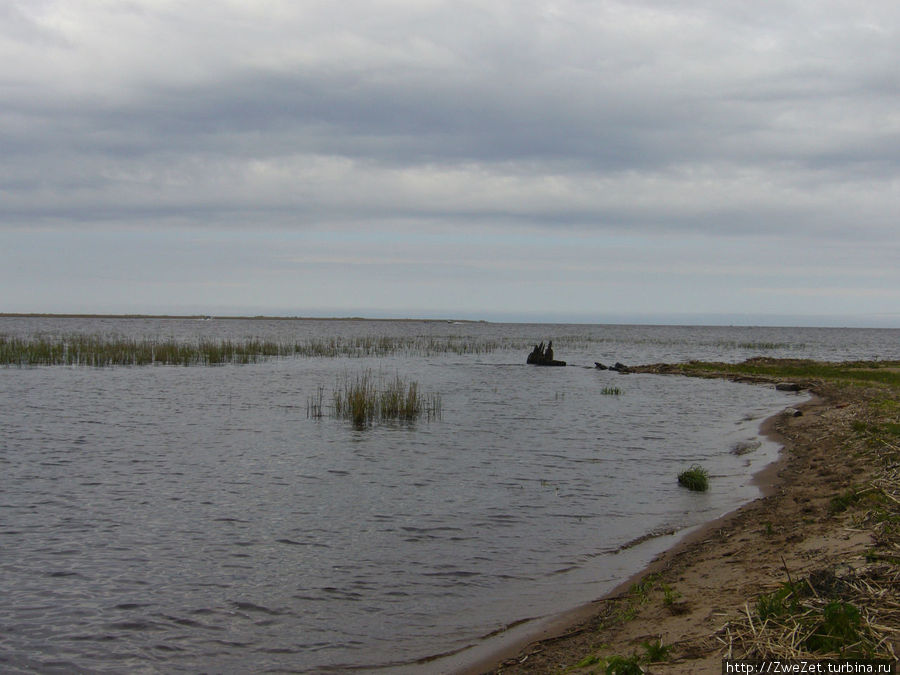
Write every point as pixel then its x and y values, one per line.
pixel 811 373
pixel 809 572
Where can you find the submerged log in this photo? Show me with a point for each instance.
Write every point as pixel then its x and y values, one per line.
pixel 549 362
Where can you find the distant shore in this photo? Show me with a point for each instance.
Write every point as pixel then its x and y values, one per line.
pixel 258 317
pixel 698 602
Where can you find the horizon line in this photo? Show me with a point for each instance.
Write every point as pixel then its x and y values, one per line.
pixel 725 320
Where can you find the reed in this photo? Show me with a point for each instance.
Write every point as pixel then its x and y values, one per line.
pixel 315 403
pixel 365 399
pixel 357 400
pixel 105 351
pixel 400 400
pixel 99 351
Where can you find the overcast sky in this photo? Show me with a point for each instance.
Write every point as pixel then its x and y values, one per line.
pixel 589 160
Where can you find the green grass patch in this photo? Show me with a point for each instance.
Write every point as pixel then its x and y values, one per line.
pixel 640 590
pixel 838 629
pixel 820 616
pixel 695 478
pixel 591 660
pixel 781 602
pixel 876 430
pixel 842 502
pixel 867 497
pixel 670 595
pixel 623 665
pixel 656 652
pixel 611 391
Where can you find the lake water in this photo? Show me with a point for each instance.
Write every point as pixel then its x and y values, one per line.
pixel 187 519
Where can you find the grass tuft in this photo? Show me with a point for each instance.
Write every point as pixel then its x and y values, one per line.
pixel 840 626
pixel 656 652
pixel 623 665
pixel 365 400
pixel 695 478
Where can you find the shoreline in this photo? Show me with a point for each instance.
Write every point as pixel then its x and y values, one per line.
pixel 694 596
pixel 497 649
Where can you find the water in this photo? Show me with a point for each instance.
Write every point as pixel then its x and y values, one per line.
pixel 171 519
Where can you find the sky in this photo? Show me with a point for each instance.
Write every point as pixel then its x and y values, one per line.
pixel 700 161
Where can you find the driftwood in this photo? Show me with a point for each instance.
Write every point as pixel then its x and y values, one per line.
pixel 541 356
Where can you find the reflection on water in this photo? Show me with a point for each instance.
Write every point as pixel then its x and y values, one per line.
pixel 165 518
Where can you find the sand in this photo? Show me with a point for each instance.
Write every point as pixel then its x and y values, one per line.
pixel 710 580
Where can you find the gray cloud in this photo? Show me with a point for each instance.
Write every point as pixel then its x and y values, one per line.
pixel 721 119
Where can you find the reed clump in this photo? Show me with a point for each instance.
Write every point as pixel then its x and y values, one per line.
pixel 365 399
pixel 695 478
pixel 357 400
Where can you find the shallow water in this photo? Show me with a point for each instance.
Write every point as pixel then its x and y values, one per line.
pixel 164 519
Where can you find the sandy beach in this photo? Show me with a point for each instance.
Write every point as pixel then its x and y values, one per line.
pixel 821 524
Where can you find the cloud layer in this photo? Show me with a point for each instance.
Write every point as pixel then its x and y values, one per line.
pixel 646 147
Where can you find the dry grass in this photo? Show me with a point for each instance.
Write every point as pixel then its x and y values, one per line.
pixel 836 613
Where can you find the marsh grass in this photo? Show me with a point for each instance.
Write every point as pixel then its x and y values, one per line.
pixel 356 400
pixel 365 399
pixel 315 403
pixel 99 351
pixel 106 351
pixel 611 391
pixel 695 478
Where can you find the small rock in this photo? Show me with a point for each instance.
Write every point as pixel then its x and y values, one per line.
pixel 793 412
pixel 744 447
pixel 600 366
pixel 788 386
